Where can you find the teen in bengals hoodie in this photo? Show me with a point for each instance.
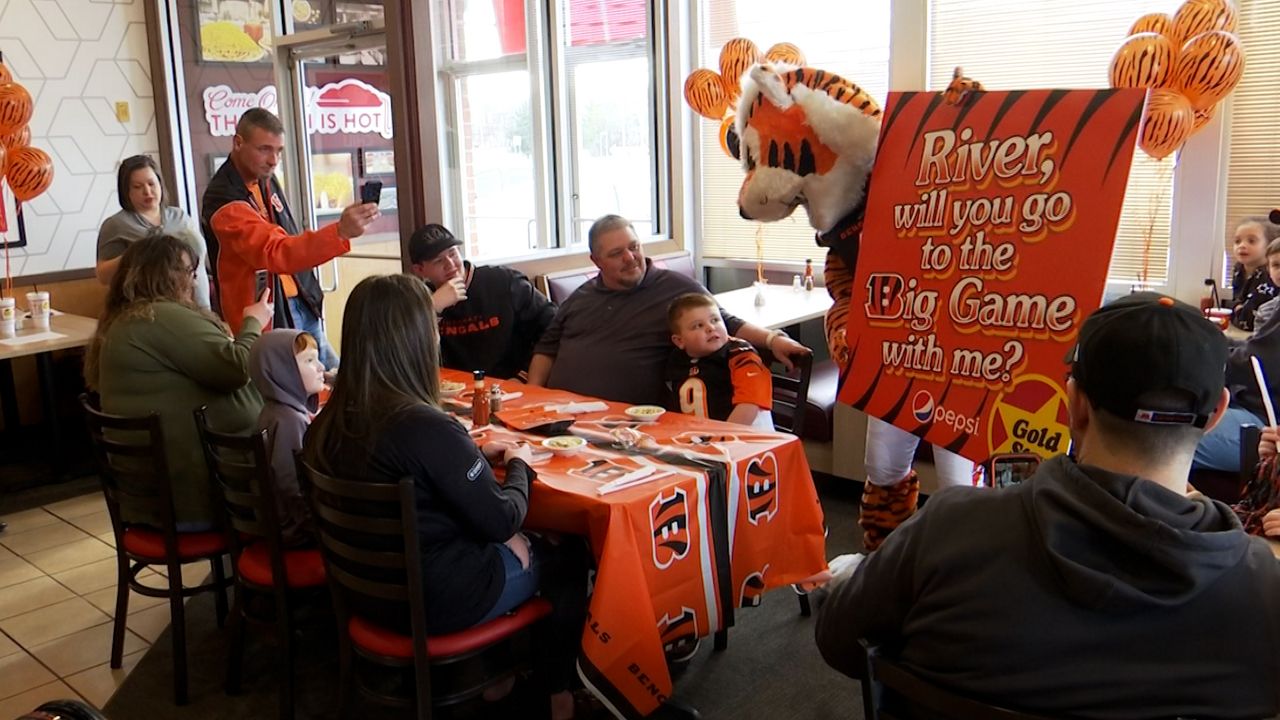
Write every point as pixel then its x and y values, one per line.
pixel 286 369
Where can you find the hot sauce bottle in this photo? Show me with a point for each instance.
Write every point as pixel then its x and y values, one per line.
pixel 479 401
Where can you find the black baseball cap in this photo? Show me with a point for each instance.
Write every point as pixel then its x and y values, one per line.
pixel 1148 342
pixel 429 241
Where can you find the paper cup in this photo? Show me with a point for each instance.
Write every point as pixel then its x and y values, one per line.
pixel 38 304
pixel 8 318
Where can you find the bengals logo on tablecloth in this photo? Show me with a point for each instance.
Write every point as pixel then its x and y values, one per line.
pixel 700 439
pixel 762 488
pixel 752 589
pixel 669 520
pixel 679 634
pixel 605 470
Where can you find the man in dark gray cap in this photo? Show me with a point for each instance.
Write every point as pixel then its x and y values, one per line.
pixel 490 316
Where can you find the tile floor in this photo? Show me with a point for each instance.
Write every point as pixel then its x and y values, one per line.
pixel 57 596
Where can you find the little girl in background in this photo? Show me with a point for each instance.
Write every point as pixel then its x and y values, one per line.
pixel 1250 283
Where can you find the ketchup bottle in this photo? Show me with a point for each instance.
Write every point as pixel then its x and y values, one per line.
pixel 479 401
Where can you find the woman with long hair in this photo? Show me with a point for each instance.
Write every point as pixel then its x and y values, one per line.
pixel 384 422
pixel 140 189
pixel 155 350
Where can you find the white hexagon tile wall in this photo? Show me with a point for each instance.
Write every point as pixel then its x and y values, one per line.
pixel 78 58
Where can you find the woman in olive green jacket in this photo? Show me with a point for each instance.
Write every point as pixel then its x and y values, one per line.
pixel 156 351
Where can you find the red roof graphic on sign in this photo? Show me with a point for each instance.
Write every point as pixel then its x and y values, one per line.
pixel 345 95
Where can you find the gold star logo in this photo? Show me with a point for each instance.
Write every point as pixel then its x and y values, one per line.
pixel 1030 418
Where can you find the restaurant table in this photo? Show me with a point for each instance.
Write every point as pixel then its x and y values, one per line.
pixel 727 513
pixel 783 306
pixel 65 331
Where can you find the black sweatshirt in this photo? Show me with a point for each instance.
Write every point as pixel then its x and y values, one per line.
pixel 1080 592
pixel 495 328
pixel 463 513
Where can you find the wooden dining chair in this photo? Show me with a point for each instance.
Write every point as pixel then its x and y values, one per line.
pixel 263 567
pixel 891 692
pixel 369 539
pixel 790 392
pixel 130 456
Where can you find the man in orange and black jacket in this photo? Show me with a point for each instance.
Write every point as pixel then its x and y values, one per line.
pixel 248 228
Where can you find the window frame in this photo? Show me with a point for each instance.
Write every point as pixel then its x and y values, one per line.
pixel 549 62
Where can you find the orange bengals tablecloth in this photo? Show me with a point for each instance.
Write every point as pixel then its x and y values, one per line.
pixel 728 513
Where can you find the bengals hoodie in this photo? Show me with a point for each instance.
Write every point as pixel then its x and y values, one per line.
pixel 286 413
pixel 1080 593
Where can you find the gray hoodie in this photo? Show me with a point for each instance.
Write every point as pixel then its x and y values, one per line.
pixel 286 413
pixel 1080 592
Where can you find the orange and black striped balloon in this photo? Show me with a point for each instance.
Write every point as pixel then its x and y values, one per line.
pixel 15 107
pixel 785 52
pixel 736 57
pixel 1201 16
pixel 705 94
pixel 1145 60
pixel 1153 22
pixel 17 138
pixel 1209 67
pixel 1166 123
pixel 29 172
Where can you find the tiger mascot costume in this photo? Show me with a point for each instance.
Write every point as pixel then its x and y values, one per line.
pixel 808 137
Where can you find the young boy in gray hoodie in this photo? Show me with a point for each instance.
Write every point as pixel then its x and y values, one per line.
pixel 285 366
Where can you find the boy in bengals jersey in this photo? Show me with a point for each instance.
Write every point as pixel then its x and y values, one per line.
pixel 712 374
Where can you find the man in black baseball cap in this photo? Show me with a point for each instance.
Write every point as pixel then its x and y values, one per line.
pixel 1097 588
pixel 490 316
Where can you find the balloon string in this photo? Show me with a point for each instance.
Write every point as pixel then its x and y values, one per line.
pixel 1153 208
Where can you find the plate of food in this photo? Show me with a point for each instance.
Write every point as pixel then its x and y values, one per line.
pixel 645 413
pixel 564 444
pixel 450 388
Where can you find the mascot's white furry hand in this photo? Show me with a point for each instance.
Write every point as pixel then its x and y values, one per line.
pixel 844 565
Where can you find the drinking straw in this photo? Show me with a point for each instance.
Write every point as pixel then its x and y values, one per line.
pixel 1262 387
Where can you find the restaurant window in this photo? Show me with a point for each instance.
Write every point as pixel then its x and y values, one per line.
pixel 542 141
pixel 860 56
pixel 1255 122
pixel 1062 44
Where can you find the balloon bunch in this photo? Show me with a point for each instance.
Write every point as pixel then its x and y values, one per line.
pixel 712 95
pixel 1187 63
pixel 28 170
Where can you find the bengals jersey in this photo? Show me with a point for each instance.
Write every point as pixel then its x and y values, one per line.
pixel 711 386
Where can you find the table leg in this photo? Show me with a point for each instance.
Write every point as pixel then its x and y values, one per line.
pixel 8 397
pixel 49 399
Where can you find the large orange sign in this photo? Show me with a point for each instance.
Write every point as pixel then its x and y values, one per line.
pixel 988 233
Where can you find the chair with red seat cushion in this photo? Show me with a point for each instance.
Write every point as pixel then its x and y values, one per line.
pixel 241 468
pixel 369 538
pixel 130 456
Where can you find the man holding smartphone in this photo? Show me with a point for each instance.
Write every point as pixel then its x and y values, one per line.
pixel 1098 587
pixel 249 228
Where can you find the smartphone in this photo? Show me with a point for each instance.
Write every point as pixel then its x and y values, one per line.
pixel 1011 469
pixel 371 192
pixel 260 279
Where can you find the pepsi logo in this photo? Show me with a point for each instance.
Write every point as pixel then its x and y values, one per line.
pixel 922 406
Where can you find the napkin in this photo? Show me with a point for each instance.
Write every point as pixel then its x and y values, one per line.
pixel 577 408
pixel 643 475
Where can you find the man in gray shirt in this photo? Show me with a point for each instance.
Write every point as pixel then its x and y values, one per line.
pixel 610 338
